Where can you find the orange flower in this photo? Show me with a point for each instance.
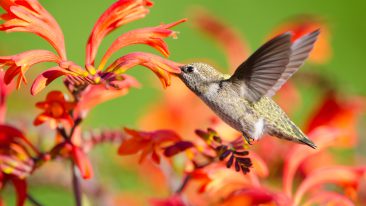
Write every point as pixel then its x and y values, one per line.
pixel 30 16
pixel 18 64
pixel 56 110
pixel 147 142
pixel 119 14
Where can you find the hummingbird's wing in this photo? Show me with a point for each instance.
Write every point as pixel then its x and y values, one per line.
pixel 262 70
pixel 300 50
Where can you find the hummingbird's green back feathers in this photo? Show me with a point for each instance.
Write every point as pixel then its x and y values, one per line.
pixel 277 122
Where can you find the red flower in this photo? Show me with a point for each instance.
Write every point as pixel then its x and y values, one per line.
pixel 147 142
pixel 56 110
pixel 16 162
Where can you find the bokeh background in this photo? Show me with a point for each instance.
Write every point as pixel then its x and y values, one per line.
pixel 254 20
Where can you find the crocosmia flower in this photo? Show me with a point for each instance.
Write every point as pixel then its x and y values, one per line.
pixel 56 109
pixel 30 16
pixel 16 162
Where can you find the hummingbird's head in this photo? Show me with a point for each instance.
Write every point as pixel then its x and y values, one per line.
pixel 195 75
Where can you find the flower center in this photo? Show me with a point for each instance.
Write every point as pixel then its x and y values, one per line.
pixel 56 109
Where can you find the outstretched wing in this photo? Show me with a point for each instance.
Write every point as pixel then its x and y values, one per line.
pixel 262 70
pixel 300 50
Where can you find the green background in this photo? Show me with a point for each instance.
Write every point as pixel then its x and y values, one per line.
pixel 254 19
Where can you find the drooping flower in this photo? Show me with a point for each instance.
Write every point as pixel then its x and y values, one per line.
pixel 56 110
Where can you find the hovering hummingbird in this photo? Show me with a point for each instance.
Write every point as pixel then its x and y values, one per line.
pixel 243 100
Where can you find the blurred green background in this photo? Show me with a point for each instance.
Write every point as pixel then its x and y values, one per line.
pixel 254 20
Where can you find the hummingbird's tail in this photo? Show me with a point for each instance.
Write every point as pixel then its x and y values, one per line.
pixel 301 137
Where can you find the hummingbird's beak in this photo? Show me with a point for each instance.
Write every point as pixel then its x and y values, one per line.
pixel 181 70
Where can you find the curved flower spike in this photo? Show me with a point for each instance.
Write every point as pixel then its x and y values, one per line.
pixel 30 16
pixel 160 66
pixel 152 36
pixel 18 64
pixel 120 13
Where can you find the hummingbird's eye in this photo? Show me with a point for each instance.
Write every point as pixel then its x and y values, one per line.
pixel 190 69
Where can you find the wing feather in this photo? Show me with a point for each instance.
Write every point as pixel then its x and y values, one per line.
pixel 261 71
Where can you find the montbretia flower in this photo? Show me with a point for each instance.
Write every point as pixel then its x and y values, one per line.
pixel 56 110
pixel 147 143
pixel 30 16
pixel 16 160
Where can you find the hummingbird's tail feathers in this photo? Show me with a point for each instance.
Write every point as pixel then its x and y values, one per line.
pixel 308 142
pixel 301 137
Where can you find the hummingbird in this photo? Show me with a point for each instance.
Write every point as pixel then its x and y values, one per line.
pixel 243 100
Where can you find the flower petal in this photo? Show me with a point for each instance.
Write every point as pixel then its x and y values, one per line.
pixel 151 36
pixel 341 114
pixel 120 13
pixel 46 77
pixel 234 46
pixel 337 175
pixel 160 66
pixel 171 201
pixel 323 136
pixel 177 148
pixel 328 198
pixel 255 196
pixel 82 162
pixel 18 64
pixel 132 145
pixel 30 16
pixel 21 190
